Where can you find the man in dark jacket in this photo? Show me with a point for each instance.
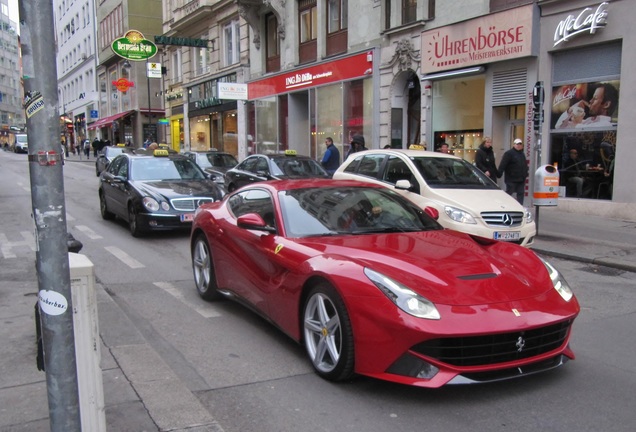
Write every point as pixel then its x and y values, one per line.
pixel 513 165
pixel 357 144
pixel 485 159
pixel 331 159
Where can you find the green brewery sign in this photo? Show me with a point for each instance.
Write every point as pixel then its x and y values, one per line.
pixel 181 41
pixel 134 47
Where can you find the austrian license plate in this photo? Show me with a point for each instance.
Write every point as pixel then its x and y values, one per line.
pixel 187 217
pixel 508 235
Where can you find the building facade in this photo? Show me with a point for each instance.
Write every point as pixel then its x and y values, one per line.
pixel 585 65
pixel 205 46
pixel 11 113
pixel 130 107
pixel 76 68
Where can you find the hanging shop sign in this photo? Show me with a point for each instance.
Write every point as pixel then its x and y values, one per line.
pixel 496 37
pixel 587 21
pixel 134 47
pixel 122 84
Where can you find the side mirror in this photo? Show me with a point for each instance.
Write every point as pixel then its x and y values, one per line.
pixel 403 185
pixel 254 221
pixel 432 212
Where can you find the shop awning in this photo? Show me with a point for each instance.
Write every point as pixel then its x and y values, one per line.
pixel 106 121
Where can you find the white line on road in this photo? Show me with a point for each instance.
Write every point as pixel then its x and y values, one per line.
pixel 89 232
pixel 205 310
pixel 124 257
pixel 6 245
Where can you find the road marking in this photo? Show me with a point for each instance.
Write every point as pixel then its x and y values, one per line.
pixel 205 310
pixel 124 257
pixel 6 245
pixel 89 232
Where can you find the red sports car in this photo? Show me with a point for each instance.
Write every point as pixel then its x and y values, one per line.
pixel 370 284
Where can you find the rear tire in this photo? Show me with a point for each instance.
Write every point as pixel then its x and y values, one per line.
pixel 328 336
pixel 103 208
pixel 203 269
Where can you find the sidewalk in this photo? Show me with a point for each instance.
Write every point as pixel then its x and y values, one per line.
pixel 138 398
pixel 586 238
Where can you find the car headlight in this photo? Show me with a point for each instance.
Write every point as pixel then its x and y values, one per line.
pixel 406 299
pixel 529 216
pixel 558 281
pixel 459 215
pixel 151 204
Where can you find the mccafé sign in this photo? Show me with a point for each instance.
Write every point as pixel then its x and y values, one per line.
pixel 587 21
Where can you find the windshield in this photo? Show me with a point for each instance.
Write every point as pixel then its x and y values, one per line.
pixel 452 174
pixel 352 210
pixel 111 152
pixel 297 167
pixel 159 168
pixel 21 138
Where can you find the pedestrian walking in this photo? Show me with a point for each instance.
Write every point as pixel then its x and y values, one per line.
pixel 485 159
pixel 87 149
pixel 514 168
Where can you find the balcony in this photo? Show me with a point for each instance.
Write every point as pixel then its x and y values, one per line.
pixel 186 13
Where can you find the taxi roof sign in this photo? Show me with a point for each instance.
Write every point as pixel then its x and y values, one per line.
pixel 290 153
pixel 160 153
pixel 416 147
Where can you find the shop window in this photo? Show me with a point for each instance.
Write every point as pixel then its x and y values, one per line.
pixel 231 44
pixel 272 44
pixel 308 31
pixel 583 140
pixel 336 26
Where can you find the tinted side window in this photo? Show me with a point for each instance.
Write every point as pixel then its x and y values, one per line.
pixel 253 201
pixel 397 169
pixel 370 165
pixel 353 166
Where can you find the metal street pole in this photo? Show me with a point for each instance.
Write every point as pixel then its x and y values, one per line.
pixel 149 111
pixel 49 213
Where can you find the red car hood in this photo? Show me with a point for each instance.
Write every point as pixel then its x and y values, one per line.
pixel 444 266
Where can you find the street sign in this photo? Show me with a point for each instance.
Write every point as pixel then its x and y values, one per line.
pixel 153 70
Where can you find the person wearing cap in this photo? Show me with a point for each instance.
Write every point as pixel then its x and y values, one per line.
pixel 514 168
pixel 357 144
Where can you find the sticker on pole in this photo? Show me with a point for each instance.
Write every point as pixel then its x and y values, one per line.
pixel 33 102
pixel 52 302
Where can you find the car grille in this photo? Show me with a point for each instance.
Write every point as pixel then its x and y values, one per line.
pixel 189 204
pixel 495 348
pixel 503 219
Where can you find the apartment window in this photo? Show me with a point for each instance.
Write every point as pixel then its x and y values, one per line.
pixel 272 47
pixel 176 66
pixel 231 44
pixel 336 26
pixel 337 13
pixel 308 20
pixel 409 11
pixel 308 28
pixel 403 12
pixel 201 59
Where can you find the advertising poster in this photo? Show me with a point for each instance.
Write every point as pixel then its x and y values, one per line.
pixel 585 105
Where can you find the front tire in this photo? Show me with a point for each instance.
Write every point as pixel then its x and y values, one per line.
pixel 133 222
pixel 203 269
pixel 328 336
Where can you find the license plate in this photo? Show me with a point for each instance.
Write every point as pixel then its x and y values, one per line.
pixel 187 217
pixel 508 235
